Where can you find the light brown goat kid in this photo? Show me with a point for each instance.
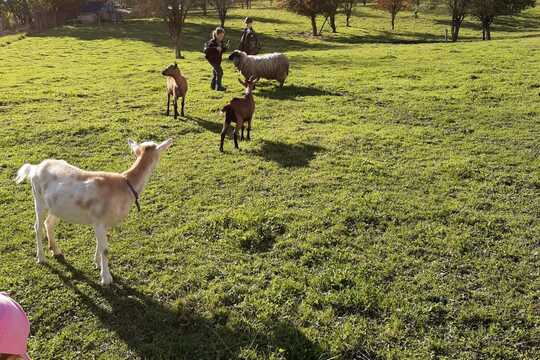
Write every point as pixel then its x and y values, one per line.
pixel 177 86
pixel 239 110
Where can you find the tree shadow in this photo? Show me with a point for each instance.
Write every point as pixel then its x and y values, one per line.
pixel 521 23
pixel 259 19
pixel 153 330
pixel 289 155
pixel 388 37
pixel 155 32
pixel 293 92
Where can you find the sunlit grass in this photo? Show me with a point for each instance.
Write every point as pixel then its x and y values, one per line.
pixel 387 206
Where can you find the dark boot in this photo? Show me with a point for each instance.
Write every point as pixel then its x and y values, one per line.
pixel 219 86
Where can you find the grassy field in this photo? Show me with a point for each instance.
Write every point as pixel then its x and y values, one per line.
pixel 387 207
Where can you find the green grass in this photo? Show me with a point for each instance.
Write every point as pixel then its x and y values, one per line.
pixel 388 206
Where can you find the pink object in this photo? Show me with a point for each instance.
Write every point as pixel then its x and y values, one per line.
pixel 14 327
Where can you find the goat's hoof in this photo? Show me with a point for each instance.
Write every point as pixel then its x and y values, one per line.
pixel 41 260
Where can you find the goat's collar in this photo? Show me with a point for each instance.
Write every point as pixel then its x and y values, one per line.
pixel 135 194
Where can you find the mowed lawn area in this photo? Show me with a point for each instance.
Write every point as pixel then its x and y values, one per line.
pixel 387 207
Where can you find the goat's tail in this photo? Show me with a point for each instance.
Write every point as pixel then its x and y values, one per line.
pixel 24 172
pixel 226 109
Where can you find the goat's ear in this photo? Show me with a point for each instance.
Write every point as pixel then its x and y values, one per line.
pixel 164 145
pixel 134 146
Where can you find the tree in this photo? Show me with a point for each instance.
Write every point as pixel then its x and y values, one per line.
pixel 309 8
pixel 19 10
pixel 3 16
pixel 330 9
pixel 487 10
pixel 393 7
pixel 458 10
pixel 222 6
pixel 348 6
pixel 416 6
pixel 175 14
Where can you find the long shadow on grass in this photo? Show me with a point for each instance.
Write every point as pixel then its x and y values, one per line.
pixel 522 23
pixel 193 38
pixel 206 124
pixel 293 91
pixel 154 330
pixel 386 37
pixel 289 155
pixel 260 19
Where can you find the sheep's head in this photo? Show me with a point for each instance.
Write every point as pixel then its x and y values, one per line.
pixel 171 70
pixel 236 55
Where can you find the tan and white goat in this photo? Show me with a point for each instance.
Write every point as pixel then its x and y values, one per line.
pixel 101 199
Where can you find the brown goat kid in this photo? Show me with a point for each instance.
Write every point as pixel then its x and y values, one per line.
pixel 239 110
pixel 176 87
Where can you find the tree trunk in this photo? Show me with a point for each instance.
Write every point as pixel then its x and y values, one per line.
pixel 177 50
pixel 486 29
pixel 205 7
pixel 222 16
pixel 393 21
pixel 347 18
pixel 456 25
pixel 314 25
pixel 333 23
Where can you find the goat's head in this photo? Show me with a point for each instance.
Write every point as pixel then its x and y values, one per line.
pixel 171 70
pixel 249 84
pixel 149 149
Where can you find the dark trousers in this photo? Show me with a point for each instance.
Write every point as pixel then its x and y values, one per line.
pixel 217 72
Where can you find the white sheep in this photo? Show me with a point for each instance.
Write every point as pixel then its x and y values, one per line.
pixel 101 199
pixel 268 66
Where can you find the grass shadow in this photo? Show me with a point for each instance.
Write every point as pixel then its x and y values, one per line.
pixel 259 19
pixel 387 37
pixel 289 155
pixel 520 23
pixel 153 330
pixel 193 38
pixel 206 124
pixel 293 92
